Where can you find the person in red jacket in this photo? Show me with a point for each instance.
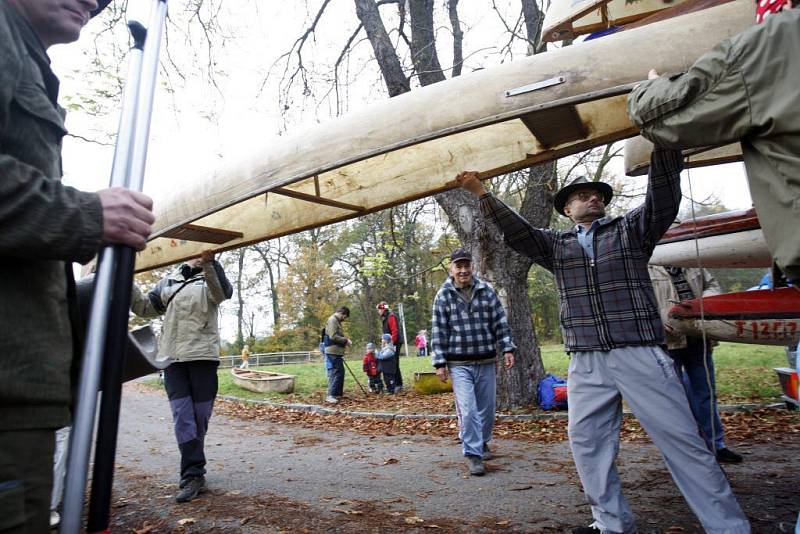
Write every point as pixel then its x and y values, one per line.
pixel 391 326
pixel 370 367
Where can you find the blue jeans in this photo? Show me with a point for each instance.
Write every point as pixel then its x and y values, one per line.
pixel 335 375
pixel 475 390
pixel 702 400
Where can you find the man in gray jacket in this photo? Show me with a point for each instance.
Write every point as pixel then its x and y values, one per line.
pixel 189 299
pixel 44 227
pixel 745 89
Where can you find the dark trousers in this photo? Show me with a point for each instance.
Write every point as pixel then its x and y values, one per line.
pixel 26 480
pixel 335 375
pixel 191 388
pixel 390 379
pixel 375 384
pixel 702 399
pixel 398 377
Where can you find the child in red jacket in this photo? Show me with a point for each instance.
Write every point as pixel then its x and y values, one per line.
pixel 371 368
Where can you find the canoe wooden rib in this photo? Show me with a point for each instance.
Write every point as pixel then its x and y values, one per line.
pixel 730 239
pixel 638 149
pixel 761 317
pixel 413 145
pixel 568 19
pixel 262 381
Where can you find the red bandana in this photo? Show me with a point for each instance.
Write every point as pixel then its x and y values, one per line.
pixel 765 8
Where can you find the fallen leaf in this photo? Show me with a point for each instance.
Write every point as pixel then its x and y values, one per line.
pixel 503 523
pixel 347 512
pixel 186 521
pixel 520 488
pixel 391 461
pixel 413 520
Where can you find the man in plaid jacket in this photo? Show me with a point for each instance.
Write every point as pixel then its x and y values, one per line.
pixel 613 332
pixel 469 324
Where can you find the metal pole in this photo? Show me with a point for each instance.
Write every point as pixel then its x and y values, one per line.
pixel 106 444
pixel 364 391
pixel 107 328
pixel 81 436
pixel 403 322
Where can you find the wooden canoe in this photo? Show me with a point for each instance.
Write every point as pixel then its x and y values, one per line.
pixel 494 121
pixel 761 317
pixel 729 239
pixel 262 381
pixel 568 19
pixel 638 149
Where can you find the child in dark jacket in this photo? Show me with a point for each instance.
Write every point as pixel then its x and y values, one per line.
pixel 387 364
pixel 370 366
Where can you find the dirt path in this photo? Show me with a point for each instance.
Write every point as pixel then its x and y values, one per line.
pixel 272 477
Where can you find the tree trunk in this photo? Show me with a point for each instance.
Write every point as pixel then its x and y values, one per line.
pixel 389 63
pixel 423 42
pixel 496 263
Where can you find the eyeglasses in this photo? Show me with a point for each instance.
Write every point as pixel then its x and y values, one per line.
pixel 585 196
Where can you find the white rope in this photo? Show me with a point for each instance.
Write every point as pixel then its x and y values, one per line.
pixel 711 389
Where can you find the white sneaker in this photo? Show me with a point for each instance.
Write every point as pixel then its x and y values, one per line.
pixel 331 400
pixel 55 519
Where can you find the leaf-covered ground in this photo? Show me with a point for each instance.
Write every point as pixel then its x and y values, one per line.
pixel 754 426
pixel 278 470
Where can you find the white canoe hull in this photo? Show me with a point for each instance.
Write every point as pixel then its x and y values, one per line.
pixel 762 317
pixel 780 332
pixel 638 150
pixel 745 249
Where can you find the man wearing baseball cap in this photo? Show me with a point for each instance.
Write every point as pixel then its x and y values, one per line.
pixel 44 227
pixel 469 326
pixel 613 332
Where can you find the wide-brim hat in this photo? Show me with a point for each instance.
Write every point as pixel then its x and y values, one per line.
pixel 101 5
pixel 581 182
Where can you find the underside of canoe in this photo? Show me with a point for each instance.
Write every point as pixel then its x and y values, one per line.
pixel 638 149
pixel 764 317
pixel 494 121
pixel 725 240
pixel 568 19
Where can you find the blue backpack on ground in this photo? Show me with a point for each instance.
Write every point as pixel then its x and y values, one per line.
pixel 552 393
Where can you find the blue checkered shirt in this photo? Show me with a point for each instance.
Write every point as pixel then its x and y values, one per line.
pixel 471 331
pixel 606 301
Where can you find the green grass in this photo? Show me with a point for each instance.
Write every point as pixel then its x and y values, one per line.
pixel 744 374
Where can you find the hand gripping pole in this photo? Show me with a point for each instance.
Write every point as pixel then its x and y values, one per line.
pixel 108 323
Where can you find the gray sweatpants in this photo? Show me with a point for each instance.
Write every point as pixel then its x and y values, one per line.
pixel 645 377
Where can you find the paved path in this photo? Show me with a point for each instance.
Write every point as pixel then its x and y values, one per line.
pixel 340 481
